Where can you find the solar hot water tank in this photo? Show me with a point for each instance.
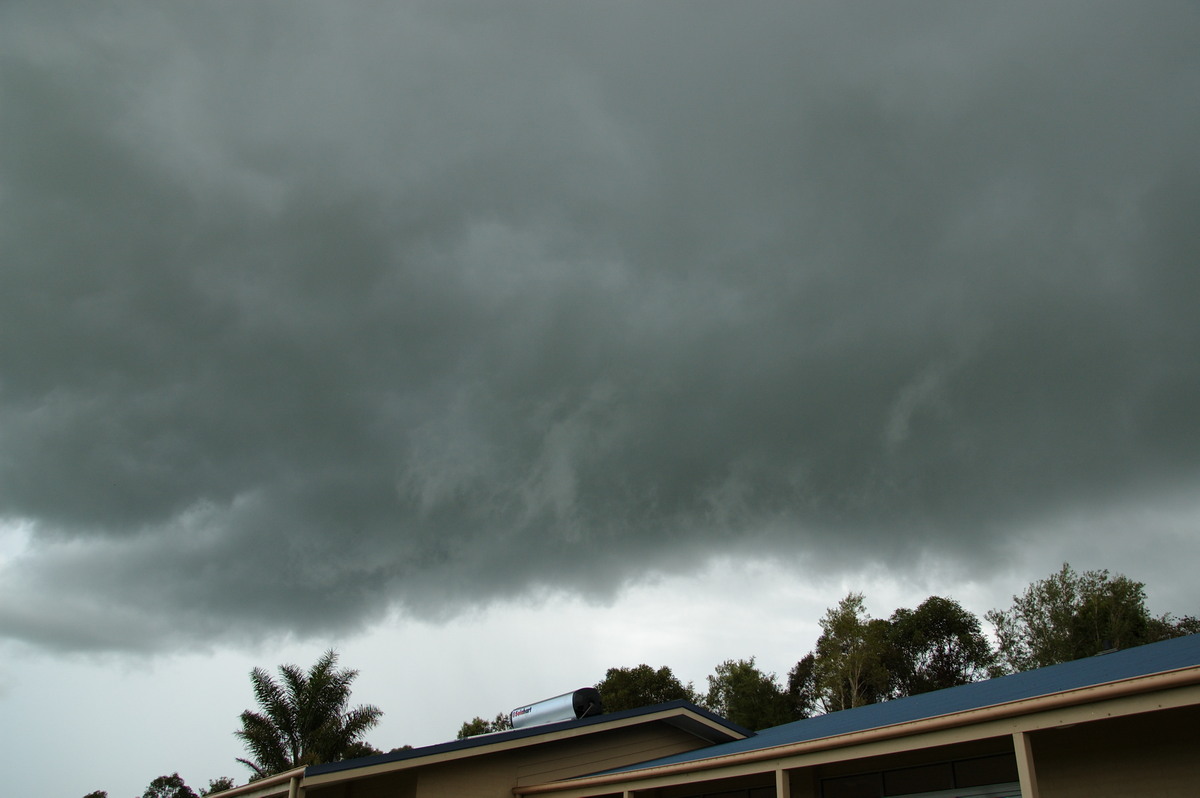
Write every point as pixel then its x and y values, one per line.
pixel 580 703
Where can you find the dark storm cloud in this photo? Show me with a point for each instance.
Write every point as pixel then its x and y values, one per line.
pixel 308 312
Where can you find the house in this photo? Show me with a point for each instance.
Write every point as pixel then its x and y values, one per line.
pixel 494 764
pixel 1119 724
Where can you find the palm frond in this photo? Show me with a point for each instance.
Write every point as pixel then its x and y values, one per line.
pixel 304 718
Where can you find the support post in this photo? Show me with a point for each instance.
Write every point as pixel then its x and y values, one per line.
pixel 783 783
pixel 1025 767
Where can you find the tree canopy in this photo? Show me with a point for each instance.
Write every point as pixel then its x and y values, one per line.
pixel 1069 615
pixel 305 718
pixel 217 785
pixel 478 725
pixel 640 686
pixel 804 697
pixel 171 786
pixel 850 667
pixel 862 660
pixel 937 645
pixel 741 692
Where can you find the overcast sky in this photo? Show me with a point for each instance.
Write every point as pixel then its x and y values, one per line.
pixel 446 331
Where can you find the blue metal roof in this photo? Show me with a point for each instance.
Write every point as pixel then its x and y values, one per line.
pixel 529 731
pixel 1144 660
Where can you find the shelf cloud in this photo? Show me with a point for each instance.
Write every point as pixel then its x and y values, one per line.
pixel 309 314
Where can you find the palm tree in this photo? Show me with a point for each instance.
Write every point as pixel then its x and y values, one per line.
pixel 304 718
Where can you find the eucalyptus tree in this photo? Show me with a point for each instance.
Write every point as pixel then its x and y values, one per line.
pixel 1069 615
pixel 304 718
pixel 935 646
pixel 851 657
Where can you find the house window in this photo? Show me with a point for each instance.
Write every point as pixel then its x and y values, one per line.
pixel 983 777
pixel 757 792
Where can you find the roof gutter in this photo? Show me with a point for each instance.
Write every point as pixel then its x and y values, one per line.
pixel 1182 677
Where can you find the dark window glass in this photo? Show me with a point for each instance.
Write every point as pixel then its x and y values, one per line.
pixel 986 770
pixel 920 779
pixel 863 785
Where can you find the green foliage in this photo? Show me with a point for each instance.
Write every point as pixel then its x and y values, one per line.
pixel 1168 627
pixel 739 691
pixel 851 657
pixel 478 725
pixel 473 727
pixel 304 718
pixel 217 785
pixel 937 645
pixel 641 686
pixel 97 794
pixel 358 749
pixel 862 660
pixel 168 787
pixel 802 690
pixel 1069 615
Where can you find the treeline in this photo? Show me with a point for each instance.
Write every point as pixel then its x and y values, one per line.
pixel 174 786
pixel 862 660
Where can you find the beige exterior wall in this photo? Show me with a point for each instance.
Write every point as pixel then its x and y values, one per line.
pixel 493 775
pixel 602 752
pixel 392 785
pixel 1153 755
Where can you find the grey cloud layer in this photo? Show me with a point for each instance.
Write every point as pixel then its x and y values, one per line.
pixel 306 313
